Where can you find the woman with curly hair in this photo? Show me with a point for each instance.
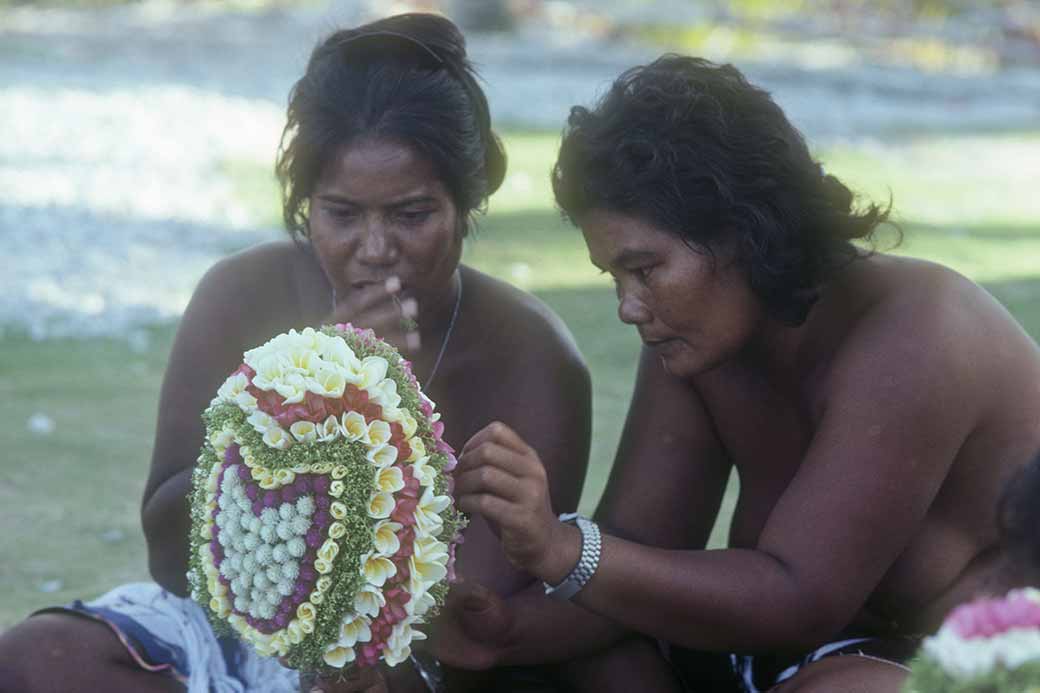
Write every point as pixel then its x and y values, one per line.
pixel 872 406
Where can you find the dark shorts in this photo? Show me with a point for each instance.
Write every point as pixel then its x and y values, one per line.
pixel 733 673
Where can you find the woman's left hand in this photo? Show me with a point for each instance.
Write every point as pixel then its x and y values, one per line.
pixel 502 478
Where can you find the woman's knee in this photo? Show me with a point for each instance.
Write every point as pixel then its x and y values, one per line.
pixel 49 652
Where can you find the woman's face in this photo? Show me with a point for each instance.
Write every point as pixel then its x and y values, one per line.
pixel 379 210
pixel 694 311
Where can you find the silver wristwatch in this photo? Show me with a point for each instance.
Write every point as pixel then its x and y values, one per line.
pixel 591 546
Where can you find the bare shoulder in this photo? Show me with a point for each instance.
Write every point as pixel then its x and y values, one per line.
pixel 518 323
pixel 926 316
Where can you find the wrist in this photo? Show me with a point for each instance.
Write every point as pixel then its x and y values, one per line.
pixel 563 554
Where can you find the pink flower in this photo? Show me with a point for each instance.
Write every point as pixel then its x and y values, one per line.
pixel 984 618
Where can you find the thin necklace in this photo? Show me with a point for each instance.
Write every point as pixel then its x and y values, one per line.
pixel 447 333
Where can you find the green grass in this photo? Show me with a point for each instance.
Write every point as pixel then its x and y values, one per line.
pixel 70 499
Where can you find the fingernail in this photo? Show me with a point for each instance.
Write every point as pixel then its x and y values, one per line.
pixel 393 284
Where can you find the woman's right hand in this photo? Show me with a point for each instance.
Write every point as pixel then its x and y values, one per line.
pixel 381 308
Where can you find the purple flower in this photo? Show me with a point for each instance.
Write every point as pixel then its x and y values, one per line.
pixel 321 484
pixel 244 473
pixel 270 499
pixel 290 494
pixel 323 502
pixel 302 484
pixel 313 538
pixel 251 491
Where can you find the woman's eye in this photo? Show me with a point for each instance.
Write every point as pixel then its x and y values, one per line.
pixel 644 272
pixel 341 214
pixel 414 217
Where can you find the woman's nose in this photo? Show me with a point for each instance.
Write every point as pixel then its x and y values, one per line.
pixel 631 310
pixel 378 247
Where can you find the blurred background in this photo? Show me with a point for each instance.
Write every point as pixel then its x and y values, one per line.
pixel 137 142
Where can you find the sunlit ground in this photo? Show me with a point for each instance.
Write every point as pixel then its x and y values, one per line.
pixel 69 491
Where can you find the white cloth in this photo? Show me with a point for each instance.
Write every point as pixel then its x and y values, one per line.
pixel 181 623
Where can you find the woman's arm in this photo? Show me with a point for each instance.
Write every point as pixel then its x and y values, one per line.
pixel 903 397
pixel 668 429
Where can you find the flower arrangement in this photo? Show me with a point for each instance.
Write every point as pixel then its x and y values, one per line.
pixel 989 645
pixel 323 529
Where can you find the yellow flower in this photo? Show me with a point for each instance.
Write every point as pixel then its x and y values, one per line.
pixel 295 632
pixel 304 431
pixel 337 530
pixel 373 370
pixel 339 471
pixel 378 433
pixel 338 510
pixel 389 479
pixel 324 583
pixel 322 566
pixel 329 429
pixel 221 439
pixel 382 455
pixel 316 597
pixel 321 468
pixel 306 612
pixel 354 427
pixel 380 505
pixel 276 437
pixel 424 471
pixel 267 482
pixel 328 381
pixel 336 489
pixel 427 513
pixel 329 550
pixel 385 537
pixel 418 449
pixel 337 656
pixel 369 600
pixel 259 473
pixel 377 569
pixel 284 477
pixel 354 629
pixel 427 565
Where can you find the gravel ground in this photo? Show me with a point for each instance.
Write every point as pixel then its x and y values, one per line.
pixel 117 126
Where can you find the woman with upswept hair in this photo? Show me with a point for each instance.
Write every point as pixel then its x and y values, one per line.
pixel 387 156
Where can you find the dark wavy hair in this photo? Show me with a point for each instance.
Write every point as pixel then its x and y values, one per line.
pixel 404 78
pixel 695 149
pixel 1019 517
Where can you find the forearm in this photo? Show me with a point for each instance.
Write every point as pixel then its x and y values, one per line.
pixel 723 600
pixel 166 523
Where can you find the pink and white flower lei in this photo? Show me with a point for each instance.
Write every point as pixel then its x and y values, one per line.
pixel 323 524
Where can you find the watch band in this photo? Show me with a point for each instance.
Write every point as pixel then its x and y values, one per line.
pixel 591 547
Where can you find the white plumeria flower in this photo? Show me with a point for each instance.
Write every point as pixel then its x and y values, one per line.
pixel 379 432
pixel 304 432
pixel 276 437
pixel 246 402
pixel 428 564
pixel 292 388
pixel 385 537
pixel 329 429
pixel 336 351
pixel 389 479
pixel 354 427
pixel 270 369
pixel 418 450
pixel 428 511
pixel 398 645
pixel 418 606
pixel 234 386
pixel 380 505
pixel 384 393
pixel 261 421
pixel 373 371
pixel 424 471
pixel 377 569
pixel 382 455
pixel 369 601
pixel 327 381
pixel 336 655
pixel 354 629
